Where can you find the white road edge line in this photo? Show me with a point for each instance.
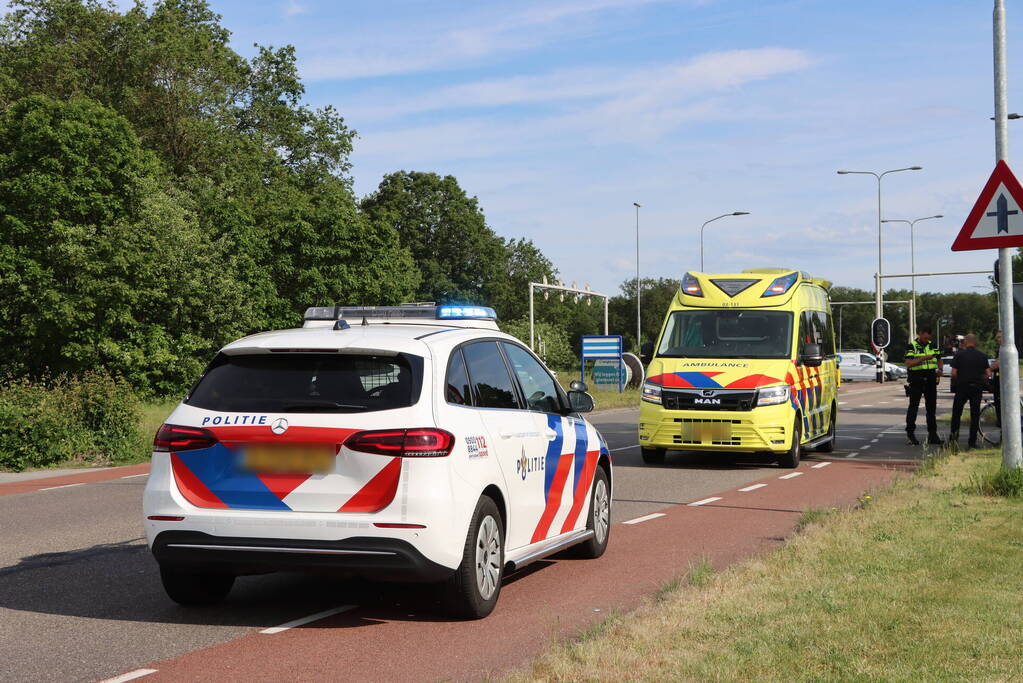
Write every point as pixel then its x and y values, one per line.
pixel 869 405
pixel 62 486
pixel 130 676
pixel 624 448
pixel 305 620
pixel 754 487
pixel 132 476
pixel 820 465
pixel 645 518
pixel 791 476
pixel 705 501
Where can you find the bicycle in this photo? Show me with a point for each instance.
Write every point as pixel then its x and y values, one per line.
pixel 990 424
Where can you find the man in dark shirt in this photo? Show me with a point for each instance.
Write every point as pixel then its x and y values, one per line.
pixel 970 372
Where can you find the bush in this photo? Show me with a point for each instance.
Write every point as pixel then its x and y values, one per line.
pixel 1004 482
pixel 92 419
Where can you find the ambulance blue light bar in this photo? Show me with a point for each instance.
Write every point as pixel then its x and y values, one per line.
pixel 781 285
pixel 451 312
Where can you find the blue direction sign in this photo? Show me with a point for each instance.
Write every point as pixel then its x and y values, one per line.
pixel 606 346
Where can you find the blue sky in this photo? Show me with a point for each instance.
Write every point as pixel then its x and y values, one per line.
pixel 558 115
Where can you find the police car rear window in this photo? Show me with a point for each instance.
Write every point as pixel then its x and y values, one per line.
pixel 308 383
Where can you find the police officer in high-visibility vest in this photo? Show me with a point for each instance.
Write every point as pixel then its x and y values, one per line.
pixel 923 364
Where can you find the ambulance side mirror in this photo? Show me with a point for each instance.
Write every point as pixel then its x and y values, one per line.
pixel 646 352
pixel 811 356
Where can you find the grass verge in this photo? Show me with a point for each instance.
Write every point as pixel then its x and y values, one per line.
pixel 922 583
pixel 603 399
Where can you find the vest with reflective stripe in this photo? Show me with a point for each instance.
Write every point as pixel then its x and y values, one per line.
pixel 916 350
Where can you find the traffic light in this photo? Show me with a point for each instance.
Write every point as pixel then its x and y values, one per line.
pixel 880 332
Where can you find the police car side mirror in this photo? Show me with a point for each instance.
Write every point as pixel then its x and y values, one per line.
pixel 579 401
pixel 811 356
pixel 646 352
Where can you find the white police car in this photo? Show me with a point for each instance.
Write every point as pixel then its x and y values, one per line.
pixel 409 443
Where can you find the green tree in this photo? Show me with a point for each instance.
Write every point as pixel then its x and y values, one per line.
pixel 551 342
pixel 459 256
pixel 523 263
pixel 99 266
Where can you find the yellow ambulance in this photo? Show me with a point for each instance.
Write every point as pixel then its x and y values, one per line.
pixel 745 363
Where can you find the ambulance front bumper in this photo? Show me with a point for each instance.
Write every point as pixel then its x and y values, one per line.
pixel 768 428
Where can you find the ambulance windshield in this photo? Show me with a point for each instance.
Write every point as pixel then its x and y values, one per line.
pixel 727 333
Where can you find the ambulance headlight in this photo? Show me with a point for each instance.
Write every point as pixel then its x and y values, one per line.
pixel 772 396
pixel 652 392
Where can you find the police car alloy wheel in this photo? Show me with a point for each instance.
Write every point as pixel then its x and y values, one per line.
pixel 600 519
pixel 472 591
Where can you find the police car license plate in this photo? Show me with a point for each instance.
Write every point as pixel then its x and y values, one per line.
pixel 294 459
pixel 707 431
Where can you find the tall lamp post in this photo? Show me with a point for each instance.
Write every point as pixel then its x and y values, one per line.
pixel 639 338
pixel 912 263
pixel 878 308
pixel 734 213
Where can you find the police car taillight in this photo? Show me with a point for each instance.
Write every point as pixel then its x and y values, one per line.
pixel 174 438
pixel 403 443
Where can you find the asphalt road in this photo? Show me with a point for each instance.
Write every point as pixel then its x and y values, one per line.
pixel 80 596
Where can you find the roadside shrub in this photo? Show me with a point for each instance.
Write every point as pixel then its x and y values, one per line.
pixel 1003 482
pixel 94 418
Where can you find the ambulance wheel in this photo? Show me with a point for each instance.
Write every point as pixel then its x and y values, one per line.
pixel 652 456
pixel 600 518
pixel 791 458
pixel 471 592
pixel 195 588
pixel 829 445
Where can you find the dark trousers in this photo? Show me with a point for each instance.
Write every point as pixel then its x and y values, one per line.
pixel 922 383
pixel 971 393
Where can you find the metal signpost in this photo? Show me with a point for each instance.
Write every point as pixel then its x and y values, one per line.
pixel 996 223
pixel 606 346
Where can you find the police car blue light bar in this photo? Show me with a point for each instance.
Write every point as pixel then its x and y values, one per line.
pixel 450 312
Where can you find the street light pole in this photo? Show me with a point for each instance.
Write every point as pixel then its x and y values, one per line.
pixel 912 263
pixel 878 305
pixel 639 339
pixel 734 213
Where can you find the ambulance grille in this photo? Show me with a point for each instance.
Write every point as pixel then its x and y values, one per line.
pixel 709 399
pixel 733 287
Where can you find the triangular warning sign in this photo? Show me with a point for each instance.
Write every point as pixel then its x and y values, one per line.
pixel 996 220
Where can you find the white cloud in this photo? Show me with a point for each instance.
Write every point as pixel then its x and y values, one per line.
pixel 453 41
pixel 293 8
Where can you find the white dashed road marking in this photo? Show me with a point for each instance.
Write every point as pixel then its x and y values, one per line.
pixel 754 487
pixel 63 486
pixel 705 501
pixel 791 476
pixel 874 440
pixel 863 448
pixel 132 476
pixel 305 620
pixel 130 676
pixel 645 518
pixel 820 465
